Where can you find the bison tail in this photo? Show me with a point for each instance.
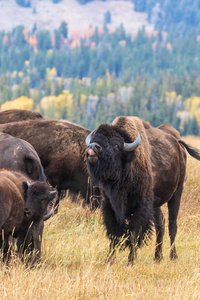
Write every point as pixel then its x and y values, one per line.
pixel 194 152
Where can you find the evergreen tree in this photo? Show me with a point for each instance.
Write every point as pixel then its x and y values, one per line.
pixel 44 40
pixel 191 128
pixel 107 17
pixel 19 36
pixel 63 29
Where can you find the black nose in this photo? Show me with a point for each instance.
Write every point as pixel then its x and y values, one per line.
pixel 95 147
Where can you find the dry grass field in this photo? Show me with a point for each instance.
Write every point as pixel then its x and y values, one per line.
pixel 75 247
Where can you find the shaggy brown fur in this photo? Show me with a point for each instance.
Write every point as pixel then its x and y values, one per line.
pixel 22 211
pixel 61 148
pixel 14 115
pixel 19 155
pixel 169 129
pixel 139 182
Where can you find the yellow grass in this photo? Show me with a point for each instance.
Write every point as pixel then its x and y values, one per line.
pixel 75 247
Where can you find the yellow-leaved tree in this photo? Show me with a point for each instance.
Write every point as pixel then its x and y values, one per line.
pixel 47 105
pixel 22 102
pixel 58 107
pixel 192 105
pixel 173 98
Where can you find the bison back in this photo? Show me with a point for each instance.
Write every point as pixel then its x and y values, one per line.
pixel 15 115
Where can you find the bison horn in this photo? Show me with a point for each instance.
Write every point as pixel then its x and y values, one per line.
pixel 28 183
pixel 88 138
pixel 132 146
pixel 47 216
pixel 53 192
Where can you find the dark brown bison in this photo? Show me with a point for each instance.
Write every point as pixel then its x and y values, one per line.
pixel 18 155
pixel 138 168
pixel 14 115
pixel 23 206
pixel 61 148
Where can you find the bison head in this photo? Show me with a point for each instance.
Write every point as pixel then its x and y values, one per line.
pixel 109 150
pixel 38 199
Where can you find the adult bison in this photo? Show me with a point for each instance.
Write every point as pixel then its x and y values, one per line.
pixel 169 129
pixel 23 206
pixel 138 168
pixel 14 115
pixel 19 155
pixel 61 148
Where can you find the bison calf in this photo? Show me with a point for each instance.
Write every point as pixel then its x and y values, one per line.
pixel 23 206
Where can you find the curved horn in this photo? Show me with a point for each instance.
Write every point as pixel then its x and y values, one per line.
pixel 88 138
pixel 28 183
pixel 47 216
pixel 132 146
pixel 53 192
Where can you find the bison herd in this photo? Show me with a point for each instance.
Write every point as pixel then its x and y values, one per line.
pixel 129 169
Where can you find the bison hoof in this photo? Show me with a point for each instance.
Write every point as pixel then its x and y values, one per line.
pixel 173 256
pixel 157 260
pixel 158 257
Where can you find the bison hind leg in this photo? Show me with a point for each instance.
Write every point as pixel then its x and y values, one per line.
pixel 160 231
pixel 173 209
pixel 133 251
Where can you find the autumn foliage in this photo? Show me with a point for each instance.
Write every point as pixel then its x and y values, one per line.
pixel 19 103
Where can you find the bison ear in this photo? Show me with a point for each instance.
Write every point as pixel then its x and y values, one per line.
pixel 29 165
pixel 25 186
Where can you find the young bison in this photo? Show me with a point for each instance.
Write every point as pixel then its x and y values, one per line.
pixel 23 206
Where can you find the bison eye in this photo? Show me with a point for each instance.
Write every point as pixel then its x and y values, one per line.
pixel 116 147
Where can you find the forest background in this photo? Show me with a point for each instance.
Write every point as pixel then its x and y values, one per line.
pixel 90 79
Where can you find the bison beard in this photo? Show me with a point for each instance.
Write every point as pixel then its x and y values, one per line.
pixel 136 181
pixel 127 204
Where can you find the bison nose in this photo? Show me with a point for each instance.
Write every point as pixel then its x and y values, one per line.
pixel 95 147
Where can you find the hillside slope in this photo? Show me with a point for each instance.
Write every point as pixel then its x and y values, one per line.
pixel 49 15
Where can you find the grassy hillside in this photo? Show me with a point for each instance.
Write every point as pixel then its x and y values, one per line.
pixel 75 247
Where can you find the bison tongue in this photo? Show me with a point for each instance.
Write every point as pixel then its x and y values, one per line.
pixel 91 152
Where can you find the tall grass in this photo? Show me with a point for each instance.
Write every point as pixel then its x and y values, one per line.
pixel 75 248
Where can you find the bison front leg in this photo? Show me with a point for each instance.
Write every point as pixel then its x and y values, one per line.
pixel 25 244
pixel 133 248
pixel 37 232
pixel 132 255
pixel 160 231
pixel 112 249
